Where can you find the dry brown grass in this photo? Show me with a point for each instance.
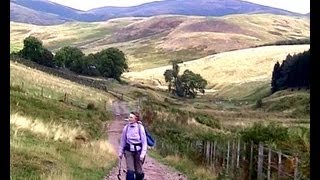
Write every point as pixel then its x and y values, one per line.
pixel 240 66
pixel 71 33
pixel 89 155
pixel 54 131
pixel 265 24
pixel 203 34
pixel 235 31
pixel 51 130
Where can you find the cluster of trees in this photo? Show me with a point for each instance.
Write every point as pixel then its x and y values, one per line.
pixel 110 63
pixel 288 42
pixel 294 72
pixel 185 85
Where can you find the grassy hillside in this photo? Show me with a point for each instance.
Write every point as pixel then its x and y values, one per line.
pixel 45 131
pixel 55 139
pixel 233 68
pixel 296 102
pixel 71 33
pixel 154 41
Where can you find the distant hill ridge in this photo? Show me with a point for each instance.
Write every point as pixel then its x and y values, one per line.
pixel 45 12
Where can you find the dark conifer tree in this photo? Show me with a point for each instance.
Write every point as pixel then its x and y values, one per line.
pixel 275 77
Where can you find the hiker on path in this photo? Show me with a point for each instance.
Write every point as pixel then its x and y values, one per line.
pixel 133 145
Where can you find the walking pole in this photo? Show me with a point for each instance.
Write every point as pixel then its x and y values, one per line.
pixel 119 173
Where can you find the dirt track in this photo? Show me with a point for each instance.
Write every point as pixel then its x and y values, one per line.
pixel 152 168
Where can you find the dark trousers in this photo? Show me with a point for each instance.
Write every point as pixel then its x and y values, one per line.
pixel 133 161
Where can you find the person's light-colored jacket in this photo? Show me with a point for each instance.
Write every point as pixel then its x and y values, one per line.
pixel 133 135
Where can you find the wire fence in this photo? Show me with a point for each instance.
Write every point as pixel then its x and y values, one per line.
pixel 240 160
pixel 39 91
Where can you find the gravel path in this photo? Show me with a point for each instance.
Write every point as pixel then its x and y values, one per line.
pixel 153 169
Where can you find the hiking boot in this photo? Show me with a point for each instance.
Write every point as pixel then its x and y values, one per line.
pixel 130 175
pixel 139 176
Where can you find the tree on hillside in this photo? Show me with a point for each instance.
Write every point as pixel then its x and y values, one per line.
pixel 168 77
pixel 69 57
pixel 33 50
pixel 192 83
pixel 185 85
pixel 111 63
pixel 275 76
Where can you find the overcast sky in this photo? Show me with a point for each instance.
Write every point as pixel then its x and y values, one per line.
pixel 300 6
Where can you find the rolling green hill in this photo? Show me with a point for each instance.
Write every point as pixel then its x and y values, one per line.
pixel 154 41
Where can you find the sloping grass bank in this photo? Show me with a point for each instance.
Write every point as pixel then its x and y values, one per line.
pixel 53 138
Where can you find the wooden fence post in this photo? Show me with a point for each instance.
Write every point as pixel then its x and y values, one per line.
pixel 65 97
pixel 207 151
pixel 244 150
pixel 228 151
pixel 251 158
pixel 238 153
pixel 214 151
pixel 232 156
pixel 269 164
pixel 210 152
pixel 279 164
pixel 223 158
pixel 296 169
pixel 41 91
pixel 260 162
pixel 223 152
pixel 22 84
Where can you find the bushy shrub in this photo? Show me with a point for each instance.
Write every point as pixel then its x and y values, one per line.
pixel 264 133
pixel 90 106
pixel 209 121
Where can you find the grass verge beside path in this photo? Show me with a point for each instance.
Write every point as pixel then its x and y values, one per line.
pixel 187 167
pixel 55 139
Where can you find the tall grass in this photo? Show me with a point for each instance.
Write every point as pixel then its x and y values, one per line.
pixel 295 102
pixel 185 165
pixel 51 110
pixel 37 156
pixel 50 130
pixel 55 139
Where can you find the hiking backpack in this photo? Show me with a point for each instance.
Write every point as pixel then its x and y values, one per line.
pixel 150 140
